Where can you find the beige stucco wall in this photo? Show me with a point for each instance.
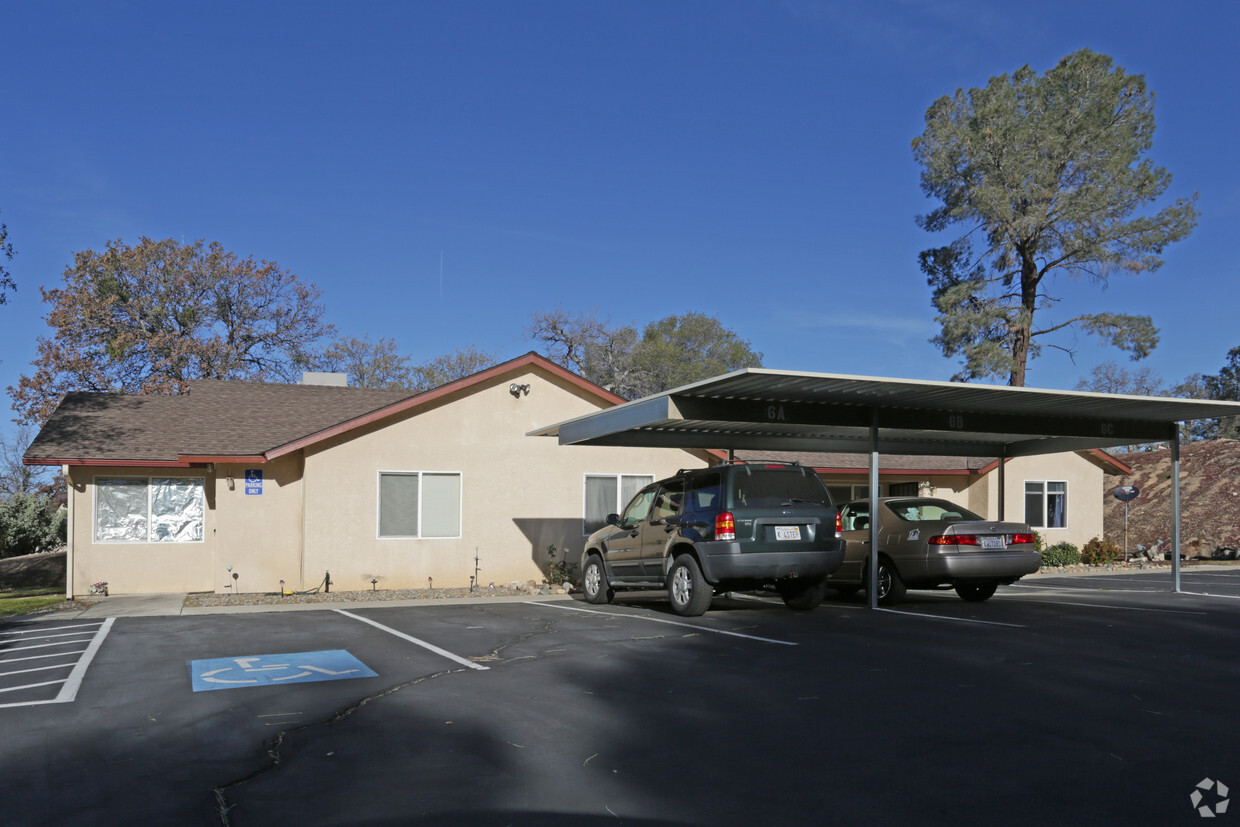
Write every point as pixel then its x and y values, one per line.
pixel 258 535
pixel 135 568
pixel 1086 488
pixel 519 494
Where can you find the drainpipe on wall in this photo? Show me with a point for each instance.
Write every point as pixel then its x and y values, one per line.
pixel 70 496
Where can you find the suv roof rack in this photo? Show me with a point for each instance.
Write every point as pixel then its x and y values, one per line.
pixel 739 462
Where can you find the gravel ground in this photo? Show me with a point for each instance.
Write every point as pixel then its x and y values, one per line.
pixel 377 595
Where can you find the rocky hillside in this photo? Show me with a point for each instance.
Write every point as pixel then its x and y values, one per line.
pixel 1209 498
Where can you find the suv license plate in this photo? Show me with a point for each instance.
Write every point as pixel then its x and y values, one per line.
pixel 993 542
pixel 787 532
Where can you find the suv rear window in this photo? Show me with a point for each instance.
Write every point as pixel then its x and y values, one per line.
pixel 703 493
pixel 772 487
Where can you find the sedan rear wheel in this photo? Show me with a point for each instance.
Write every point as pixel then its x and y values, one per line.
pixel 976 592
pixel 891 588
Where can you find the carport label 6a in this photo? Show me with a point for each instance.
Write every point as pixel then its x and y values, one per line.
pixel 274 670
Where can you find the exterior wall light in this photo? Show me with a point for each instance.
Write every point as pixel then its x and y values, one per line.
pixel 519 390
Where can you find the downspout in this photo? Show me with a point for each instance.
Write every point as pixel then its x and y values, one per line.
pixel 872 590
pixel 1175 505
pixel 301 543
pixel 71 495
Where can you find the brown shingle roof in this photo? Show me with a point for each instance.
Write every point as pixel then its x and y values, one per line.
pixel 249 418
pixel 111 427
pixel 216 420
pixel 213 419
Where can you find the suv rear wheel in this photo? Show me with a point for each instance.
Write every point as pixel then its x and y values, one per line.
pixel 688 589
pixel 594 582
pixel 803 595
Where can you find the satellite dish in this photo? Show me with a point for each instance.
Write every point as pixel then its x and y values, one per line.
pixel 1126 493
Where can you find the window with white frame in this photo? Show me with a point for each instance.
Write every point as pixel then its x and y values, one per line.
pixel 1046 504
pixel 419 504
pixel 608 494
pixel 149 510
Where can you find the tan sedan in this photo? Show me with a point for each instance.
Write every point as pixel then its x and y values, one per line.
pixel 927 543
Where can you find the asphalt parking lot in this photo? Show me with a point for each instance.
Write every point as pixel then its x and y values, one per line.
pixel 1074 699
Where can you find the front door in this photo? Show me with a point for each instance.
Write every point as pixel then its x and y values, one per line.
pixel 664 519
pixel 624 545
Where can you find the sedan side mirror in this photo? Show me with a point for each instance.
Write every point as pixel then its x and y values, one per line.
pixel 613 519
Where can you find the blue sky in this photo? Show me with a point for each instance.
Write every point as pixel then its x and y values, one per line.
pixel 749 160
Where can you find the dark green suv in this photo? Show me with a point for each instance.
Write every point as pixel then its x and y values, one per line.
pixel 733 527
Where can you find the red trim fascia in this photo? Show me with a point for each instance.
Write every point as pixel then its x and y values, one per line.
pixel 111 463
pixel 1103 456
pixel 1108 459
pixel 530 359
pixel 231 459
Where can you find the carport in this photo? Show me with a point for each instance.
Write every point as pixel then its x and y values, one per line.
pixel 760 409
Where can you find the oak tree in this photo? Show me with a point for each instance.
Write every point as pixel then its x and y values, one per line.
pixel 367 364
pixel 149 318
pixel 670 352
pixel 451 366
pixel 6 280
pixel 1047 176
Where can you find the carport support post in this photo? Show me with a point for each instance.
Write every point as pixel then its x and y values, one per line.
pixel 872 590
pixel 1175 505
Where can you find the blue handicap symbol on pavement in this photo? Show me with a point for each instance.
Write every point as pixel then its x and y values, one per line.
pixel 276 670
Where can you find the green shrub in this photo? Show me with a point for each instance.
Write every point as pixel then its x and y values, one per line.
pixel 1061 554
pixel 1099 552
pixel 28 524
pixel 562 571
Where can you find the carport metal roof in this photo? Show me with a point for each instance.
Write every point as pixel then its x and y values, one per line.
pixel 765 409
pixel 793 411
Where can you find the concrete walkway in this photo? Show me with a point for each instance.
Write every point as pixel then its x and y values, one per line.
pixel 136 605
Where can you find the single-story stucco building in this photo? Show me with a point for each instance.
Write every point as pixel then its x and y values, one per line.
pixel 242 486
pixel 253 487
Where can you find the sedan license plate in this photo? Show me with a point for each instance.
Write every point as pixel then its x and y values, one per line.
pixel 993 542
pixel 787 532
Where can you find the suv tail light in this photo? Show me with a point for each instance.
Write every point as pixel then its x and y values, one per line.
pixel 839 525
pixel 725 526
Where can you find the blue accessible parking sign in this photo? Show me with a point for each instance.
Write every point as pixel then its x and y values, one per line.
pixel 274 670
pixel 253 481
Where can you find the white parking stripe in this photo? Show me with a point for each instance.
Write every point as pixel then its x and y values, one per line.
pixel 1035 599
pixel 414 640
pixel 31 686
pixel 37 657
pixel 35 669
pixel 69 691
pixel 46 645
pixel 956 619
pixel 663 620
pixel 57 628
